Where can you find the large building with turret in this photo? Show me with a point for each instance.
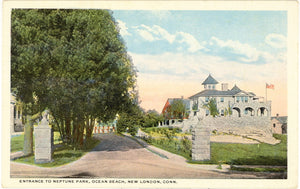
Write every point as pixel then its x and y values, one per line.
pixel 239 112
pixel 234 101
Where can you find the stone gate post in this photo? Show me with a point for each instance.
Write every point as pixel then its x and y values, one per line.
pixel 201 143
pixel 43 141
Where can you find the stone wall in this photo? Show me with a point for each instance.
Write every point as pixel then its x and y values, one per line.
pixel 244 126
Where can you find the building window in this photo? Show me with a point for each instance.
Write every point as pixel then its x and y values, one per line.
pixel 207 112
pixel 246 99
pixel 206 99
pixel 246 111
pixel 209 86
pixel 222 99
pixel 19 114
pixel 213 87
pixel 237 99
pixel 274 125
pixel 242 99
pixel 222 112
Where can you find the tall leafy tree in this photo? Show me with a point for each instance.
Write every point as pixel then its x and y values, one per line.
pixel 176 110
pixel 211 105
pixel 151 118
pixel 74 63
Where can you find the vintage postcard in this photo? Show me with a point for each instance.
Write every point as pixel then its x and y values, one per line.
pixel 150 94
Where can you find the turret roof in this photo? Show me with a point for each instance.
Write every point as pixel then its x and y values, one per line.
pixel 210 80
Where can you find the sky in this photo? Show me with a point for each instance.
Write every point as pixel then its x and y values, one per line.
pixel 175 51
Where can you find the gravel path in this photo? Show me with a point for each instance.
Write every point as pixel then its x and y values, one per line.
pixel 121 157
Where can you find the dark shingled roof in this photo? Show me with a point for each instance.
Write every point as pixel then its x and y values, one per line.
pixel 281 119
pixel 236 89
pixel 213 93
pixel 210 80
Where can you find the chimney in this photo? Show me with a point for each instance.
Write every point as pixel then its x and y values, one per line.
pixel 224 86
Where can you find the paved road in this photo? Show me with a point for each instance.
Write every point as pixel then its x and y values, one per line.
pixel 121 157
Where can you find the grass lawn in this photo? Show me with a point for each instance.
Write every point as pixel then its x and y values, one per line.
pixel 250 154
pixel 62 155
pixel 18 141
pixel 235 154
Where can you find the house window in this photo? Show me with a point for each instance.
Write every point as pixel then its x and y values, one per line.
pixel 213 87
pixel 237 99
pixel 222 99
pixel 274 125
pixel 246 99
pixel 207 112
pixel 206 99
pixel 209 86
pixel 242 99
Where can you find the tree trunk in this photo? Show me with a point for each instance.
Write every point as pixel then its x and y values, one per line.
pixel 89 127
pixel 28 137
pixel 68 128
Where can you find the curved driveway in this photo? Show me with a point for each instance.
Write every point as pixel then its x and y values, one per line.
pixel 121 157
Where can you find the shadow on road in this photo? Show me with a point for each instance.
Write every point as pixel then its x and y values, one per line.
pixel 81 175
pixel 113 142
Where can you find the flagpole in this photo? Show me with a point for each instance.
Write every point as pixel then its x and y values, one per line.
pixel 266 93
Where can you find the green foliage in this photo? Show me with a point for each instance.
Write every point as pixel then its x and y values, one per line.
pixel 74 63
pixel 195 106
pixel 130 121
pixel 162 130
pixel 151 118
pixel 228 111
pixel 187 145
pixel 212 107
pixel 173 146
pixel 176 110
pixel 168 141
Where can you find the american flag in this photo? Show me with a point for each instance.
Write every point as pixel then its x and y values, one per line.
pixel 269 86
